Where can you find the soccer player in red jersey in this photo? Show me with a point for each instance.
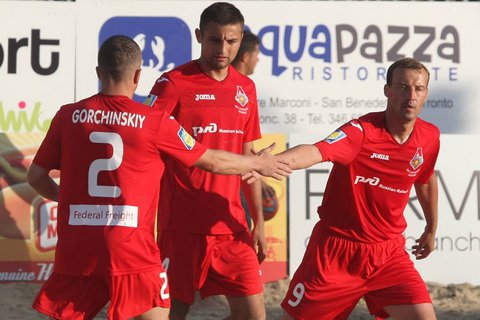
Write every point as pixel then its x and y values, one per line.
pixel 357 248
pixel 203 236
pixel 108 148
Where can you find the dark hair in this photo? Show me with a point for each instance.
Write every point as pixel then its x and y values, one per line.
pixel 117 55
pixel 249 41
pixel 406 63
pixel 222 13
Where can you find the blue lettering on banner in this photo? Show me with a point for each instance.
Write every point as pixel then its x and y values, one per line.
pixel 166 43
pixel 345 42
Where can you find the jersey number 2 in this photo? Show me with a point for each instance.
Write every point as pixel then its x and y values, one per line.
pixel 163 290
pixel 110 164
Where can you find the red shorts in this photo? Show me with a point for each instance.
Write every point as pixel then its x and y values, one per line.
pixel 336 273
pixel 213 264
pixel 82 297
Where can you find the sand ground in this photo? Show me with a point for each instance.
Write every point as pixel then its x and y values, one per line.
pixel 452 302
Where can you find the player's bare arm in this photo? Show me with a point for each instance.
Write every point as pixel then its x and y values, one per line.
pixel 301 156
pixel 428 197
pixel 224 162
pixel 253 195
pixel 39 179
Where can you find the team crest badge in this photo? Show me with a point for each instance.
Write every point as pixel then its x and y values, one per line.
pixel 417 159
pixel 241 97
pixel 335 136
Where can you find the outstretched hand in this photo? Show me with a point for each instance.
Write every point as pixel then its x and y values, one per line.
pixel 270 166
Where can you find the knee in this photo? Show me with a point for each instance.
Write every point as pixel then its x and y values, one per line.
pixel 258 314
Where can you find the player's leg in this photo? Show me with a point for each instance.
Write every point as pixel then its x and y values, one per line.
pixel 329 281
pixel 143 296
pixel 311 299
pixel 72 297
pixel 421 311
pixel 247 308
pixel 396 288
pixel 235 273
pixel 157 313
pixel 186 257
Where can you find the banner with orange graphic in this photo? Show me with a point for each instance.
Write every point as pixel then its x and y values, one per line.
pixel 274 267
pixel 28 229
pixel 37 64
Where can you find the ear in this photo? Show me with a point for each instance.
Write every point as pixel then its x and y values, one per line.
pixel 198 35
pixel 245 56
pixel 386 90
pixel 97 70
pixel 136 76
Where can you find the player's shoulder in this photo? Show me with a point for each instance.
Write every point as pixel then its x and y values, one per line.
pixel 117 103
pixel 427 128
pixel 239 77
pixel 180 76
pixel 182 71
pixel 70 107
pixel 372 120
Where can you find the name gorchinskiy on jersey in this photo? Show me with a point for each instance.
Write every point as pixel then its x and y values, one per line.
pixel 126 119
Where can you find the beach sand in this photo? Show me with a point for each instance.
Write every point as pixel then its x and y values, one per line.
pixel 452 302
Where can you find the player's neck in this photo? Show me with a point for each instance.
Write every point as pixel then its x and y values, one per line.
pixel 400 130
pixel 116 89
pixel 217 74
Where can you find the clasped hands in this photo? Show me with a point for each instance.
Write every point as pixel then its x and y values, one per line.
pixel 269 165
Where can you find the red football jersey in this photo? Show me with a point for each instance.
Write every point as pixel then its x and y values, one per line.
pixel 220 115
pixel 107 149
pixel 369 186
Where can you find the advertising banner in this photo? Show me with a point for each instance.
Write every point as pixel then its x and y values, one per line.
pixel 330 60
pixel 275 265
pixel 37 61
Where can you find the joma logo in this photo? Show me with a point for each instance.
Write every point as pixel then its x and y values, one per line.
pixel 380 156
pixel 199 97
